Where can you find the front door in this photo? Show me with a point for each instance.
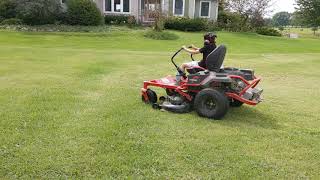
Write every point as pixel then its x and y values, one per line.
pixel 151 9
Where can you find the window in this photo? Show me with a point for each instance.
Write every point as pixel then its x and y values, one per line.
pixel 108 5
pixel 178 7
pixel 126 5
pixel 205 9
pixel 117 6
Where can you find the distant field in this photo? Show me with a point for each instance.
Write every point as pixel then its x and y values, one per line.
pixel 303 32
pixel 71 109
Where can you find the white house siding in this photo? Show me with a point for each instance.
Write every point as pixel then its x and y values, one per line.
pixel 192 8
pixel 165 5
pixel 134 8
pixel 213 9
pixel 99 4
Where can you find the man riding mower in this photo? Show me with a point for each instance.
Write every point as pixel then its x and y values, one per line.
pixel 209 90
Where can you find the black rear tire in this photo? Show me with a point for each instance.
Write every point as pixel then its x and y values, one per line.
pixel 211 103
pixel 152 96
pixel 235 103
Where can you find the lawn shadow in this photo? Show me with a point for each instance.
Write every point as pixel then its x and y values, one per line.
pixel 249 116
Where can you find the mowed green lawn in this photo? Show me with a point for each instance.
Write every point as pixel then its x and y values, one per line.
pixel 71 108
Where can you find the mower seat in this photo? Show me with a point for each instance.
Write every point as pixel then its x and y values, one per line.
pixel 216 58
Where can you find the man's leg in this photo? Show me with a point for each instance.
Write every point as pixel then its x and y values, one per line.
pixel 184 66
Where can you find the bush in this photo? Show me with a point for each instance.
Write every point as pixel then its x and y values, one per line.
pixel 161 35
pixel 314 29
pixel 281 28
pixel 8 9
pixel 213 26
pixel 118 19
pixel 185 24
pixel 268 32
pixel 11 21
pixel 230 21
pixel 83 12
pixel 132 21
pixel 38 12
pixel 1 19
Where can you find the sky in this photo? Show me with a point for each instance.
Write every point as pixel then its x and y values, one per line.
pixel 283 5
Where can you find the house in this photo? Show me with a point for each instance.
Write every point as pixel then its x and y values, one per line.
pixel 143 10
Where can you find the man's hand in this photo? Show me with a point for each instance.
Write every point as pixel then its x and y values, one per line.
pixel 191 50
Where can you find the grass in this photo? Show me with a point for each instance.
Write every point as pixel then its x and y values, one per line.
pixel 71 108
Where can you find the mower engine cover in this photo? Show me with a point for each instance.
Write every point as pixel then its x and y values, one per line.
pixel 247 74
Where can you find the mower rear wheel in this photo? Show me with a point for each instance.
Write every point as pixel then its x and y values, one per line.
pixel 211 103
pixel 152 97
pixel 235 103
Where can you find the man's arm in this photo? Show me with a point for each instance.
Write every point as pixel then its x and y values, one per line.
pixel 194 47
pixel 191 51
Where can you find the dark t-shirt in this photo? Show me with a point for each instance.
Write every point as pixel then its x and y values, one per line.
pixel 206 50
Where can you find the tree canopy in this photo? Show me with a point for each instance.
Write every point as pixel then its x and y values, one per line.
pixel 281 19
pixel 309 11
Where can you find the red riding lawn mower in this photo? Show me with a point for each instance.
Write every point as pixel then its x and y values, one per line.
pixel 210 92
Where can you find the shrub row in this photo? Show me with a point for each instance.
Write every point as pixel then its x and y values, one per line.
pixel 114 19
pixel 268 32
pixel 11 21
pixel 185 24
pixel 120 19
pixel 39 12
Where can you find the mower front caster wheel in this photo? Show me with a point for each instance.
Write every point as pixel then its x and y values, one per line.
pixel 152 97
pixel 211 103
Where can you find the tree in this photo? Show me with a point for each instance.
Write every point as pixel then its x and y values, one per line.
pixel 251 11
pixel 37 12
pixel 8 9
pixel 281 19
pixel 315 29
pixel 268 22
pixel 158 20
pixel 310 11
pixel 297 19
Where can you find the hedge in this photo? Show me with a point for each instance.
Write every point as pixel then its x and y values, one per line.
pixel 11 21
pixel 268 32
pixel 38 12
pixel 185 24
pixel 119 19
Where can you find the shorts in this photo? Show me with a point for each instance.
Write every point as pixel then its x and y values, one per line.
pixel 192 64
pixel 196 64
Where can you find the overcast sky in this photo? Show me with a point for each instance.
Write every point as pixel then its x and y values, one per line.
pixel 283 5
